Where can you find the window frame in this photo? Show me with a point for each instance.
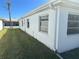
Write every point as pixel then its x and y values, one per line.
pixel 40 21
pixel 22 23
pixel 28 23
pixel 71 28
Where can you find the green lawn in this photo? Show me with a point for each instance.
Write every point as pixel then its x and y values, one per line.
pixel 15 44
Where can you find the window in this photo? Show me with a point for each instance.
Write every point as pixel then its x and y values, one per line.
pixel 73 24
pixel 22 22
pixel 44 23
pixel 27 23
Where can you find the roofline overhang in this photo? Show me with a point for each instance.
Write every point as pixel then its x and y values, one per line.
pixel 53 4
pixel 68 4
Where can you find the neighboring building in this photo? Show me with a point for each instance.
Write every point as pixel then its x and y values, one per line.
pixel 13 24
pixel 55 24
pixel 6 24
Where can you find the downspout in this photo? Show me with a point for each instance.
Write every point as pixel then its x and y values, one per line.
pixel 55 38
pixel 53 4
pixel 55 35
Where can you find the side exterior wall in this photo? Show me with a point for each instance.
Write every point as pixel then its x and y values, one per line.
pixel 1 25
pixel 65 42
pixel 46 38
pixel 21 26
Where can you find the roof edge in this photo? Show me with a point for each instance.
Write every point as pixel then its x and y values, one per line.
pixel 53 3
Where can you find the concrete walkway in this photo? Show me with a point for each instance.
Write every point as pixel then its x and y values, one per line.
pixel 73 54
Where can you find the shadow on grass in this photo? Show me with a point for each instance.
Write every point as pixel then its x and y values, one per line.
pixel 16 44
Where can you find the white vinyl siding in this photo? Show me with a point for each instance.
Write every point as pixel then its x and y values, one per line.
pixel 44 23
pixel 73 24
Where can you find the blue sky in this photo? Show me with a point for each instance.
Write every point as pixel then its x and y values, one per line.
pixel 19 7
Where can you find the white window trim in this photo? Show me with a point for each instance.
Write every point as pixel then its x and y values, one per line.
pixel 41 21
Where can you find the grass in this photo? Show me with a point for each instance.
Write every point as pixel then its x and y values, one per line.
pixel 2 33
pixel 15 44
pixel 73 54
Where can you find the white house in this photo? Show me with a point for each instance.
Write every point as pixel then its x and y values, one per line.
pixel 1 24
pixel 55 24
